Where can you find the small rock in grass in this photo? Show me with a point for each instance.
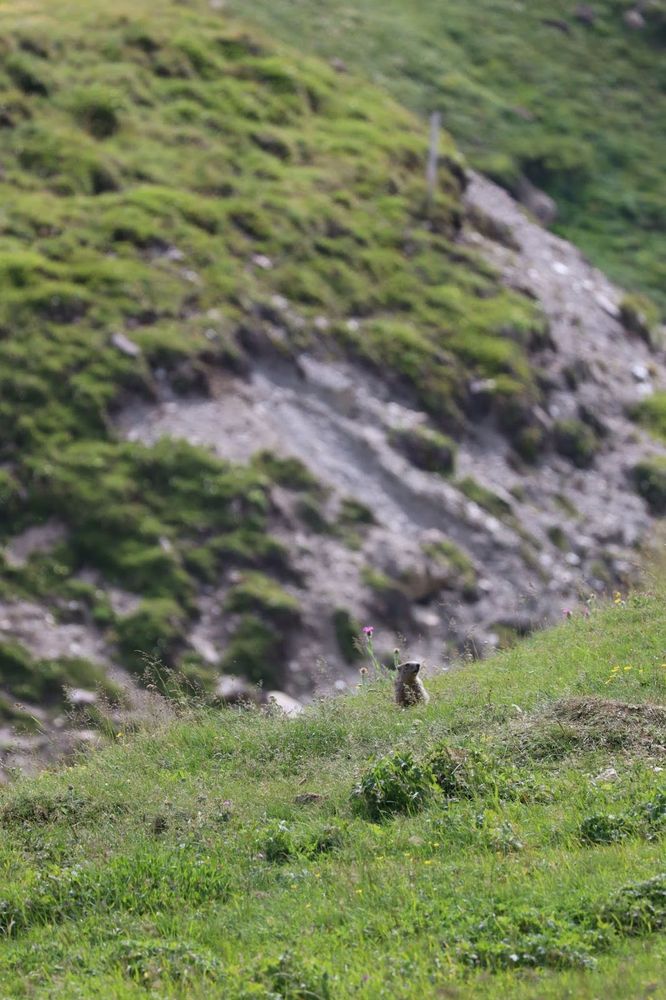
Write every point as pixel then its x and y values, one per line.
pixel 606 776
pixel 634 19
pixel 305 798
pixel 262 261
pixel 80 696
pixel 290 706
pixel 125 345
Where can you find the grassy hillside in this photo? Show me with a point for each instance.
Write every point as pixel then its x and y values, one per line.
pixel 178 195
pixel 506 840
pixel 524 88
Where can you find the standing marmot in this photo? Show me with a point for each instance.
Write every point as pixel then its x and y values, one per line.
pixel 409 689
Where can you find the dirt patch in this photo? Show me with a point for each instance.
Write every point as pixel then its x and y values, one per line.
pixel 580 725
pixel 39 538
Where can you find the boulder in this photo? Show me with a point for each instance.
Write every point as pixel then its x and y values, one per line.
pixel 634 19
pixel 288 705
pixel 540 204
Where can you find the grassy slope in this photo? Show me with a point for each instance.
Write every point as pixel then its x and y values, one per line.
pixel 179 859
pixel 165 177
pixel 580 113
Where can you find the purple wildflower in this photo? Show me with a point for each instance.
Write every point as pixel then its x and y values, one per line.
pixel 368 631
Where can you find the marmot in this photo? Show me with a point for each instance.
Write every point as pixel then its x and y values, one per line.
pixel 409 689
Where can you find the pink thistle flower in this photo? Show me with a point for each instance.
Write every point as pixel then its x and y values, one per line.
pixel 586 612
pixel 368 631
pixel 567 613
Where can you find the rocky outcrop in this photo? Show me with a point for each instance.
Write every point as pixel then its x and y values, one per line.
pixel 439 560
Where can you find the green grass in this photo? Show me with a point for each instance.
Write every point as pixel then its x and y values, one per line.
pixel 170 179
pixel 578 113
pixel 461 849
pixel 651 413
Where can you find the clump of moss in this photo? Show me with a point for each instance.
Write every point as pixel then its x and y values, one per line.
pixel 43 681
pixel 576 441
pixel 649 477
pixel 310 512
pixel 353 520
pixel 529 443
pixel 484 497
pixel 151 634
pixel 426 448
pixel 640 316
pixel 256 650
pixel 650 412
pixel 97 110
pixel 257 593
pixel 389 596
pixel 456 563
pixel 347 631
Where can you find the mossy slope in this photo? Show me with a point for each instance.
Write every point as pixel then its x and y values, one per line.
pixel 177 192
pixel 574 105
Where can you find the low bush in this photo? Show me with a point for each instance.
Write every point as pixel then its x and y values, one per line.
pixel 425 448
pixel 650 480
pixel 396 783
pixel 576 441
pixel 651 413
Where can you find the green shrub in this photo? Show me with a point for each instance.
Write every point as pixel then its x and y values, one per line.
pixel 558 946
pixel 396 783
pixel 96 109
pixel 605 828
pixel 460 773
pixel 293 979
pixel 44 681
pixel 256 650
pixel 27 74
pixel 575 441
pixel 650 480
pixel 647 820
pixel 484 497
pixel 640 316
pixel 280 842
pixel 151 634
pixel 257 593
pixel 651 412
pixel 426 448
pixel 347 631
pixel 529 443
pixel 638 908
pixel 450 558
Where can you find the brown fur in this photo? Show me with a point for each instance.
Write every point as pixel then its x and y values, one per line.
pixel 409 689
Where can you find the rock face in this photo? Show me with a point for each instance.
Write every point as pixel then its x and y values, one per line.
pixel 457 547
pixel 446 555
pixel 540 204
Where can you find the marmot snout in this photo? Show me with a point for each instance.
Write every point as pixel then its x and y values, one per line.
pixel 409 689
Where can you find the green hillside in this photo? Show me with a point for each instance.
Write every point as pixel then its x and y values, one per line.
pixel 179 195
pixel 504 841
pixel 529 88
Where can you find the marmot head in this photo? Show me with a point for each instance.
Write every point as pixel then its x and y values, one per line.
pixel 407 671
